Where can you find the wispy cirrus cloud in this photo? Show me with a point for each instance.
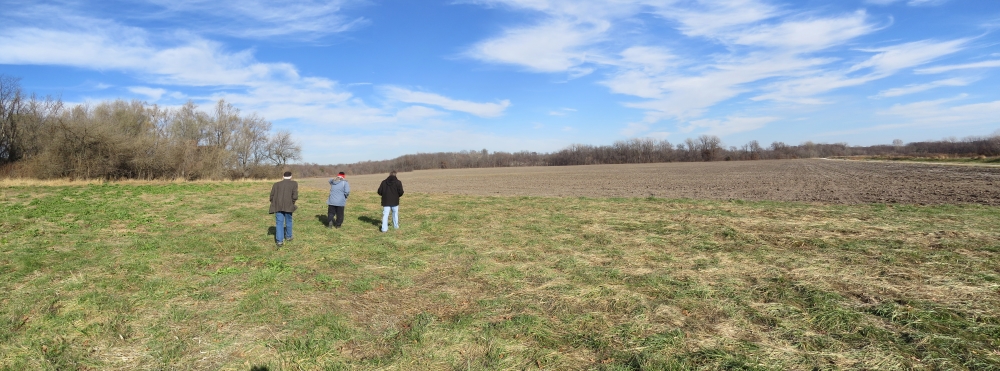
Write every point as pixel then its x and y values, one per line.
pixel 274 89
pixel 561 112
pixel 264 18
pixel 887 61
pixel 253 19
pixel 916 88
pixel 419 97
pixel 766 43
pixel 953 67
pixel 102 45
pixel 562 48
pixel 716 19
pixel 152 93
pixel 730 125
pixel 946 112
pixel 765 52
pixel 908 2
pixel 893 58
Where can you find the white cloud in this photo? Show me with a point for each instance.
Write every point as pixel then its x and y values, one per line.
pixel 887 61
pixel 940 69
pixel 730 125
pixel 197 62
pixel 765 43
pixel 561 112
pixel 941 113
pixel 635 128
pixel 418 113
pixel 268 18
pixel 916 88
pixel 807 34
pixel 478 109
pixel 648 59
pixel 550 47
pixel 275 90
pixel 154 94
pixel 718 19
pixel 295 19
pixel 926 2
pixel 910 2
pixel 897 57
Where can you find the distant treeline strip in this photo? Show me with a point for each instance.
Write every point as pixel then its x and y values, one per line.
pixel 40 138
pixel 645 150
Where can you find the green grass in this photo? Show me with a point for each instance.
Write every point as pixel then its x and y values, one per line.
pixel 972 160
pixel 186 276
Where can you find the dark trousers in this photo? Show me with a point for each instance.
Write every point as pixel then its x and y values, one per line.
pixel 334 215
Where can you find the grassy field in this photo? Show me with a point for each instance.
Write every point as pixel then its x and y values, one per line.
pixel 186 276
pixel 942 159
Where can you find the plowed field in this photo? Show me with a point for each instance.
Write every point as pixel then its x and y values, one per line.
pixel 813 180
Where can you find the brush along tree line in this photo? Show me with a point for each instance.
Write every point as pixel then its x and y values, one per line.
pixel 647 150
pixel 42 138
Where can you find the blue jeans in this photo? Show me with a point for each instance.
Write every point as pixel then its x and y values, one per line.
pixel 385 217
pixel 283 226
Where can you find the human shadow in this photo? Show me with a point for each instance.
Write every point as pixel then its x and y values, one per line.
pixel 322 219
pixel 259 368
pixel 272 231
pixel 370 220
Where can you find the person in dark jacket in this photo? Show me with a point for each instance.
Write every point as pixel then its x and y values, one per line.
pixel 339 190
pixel 390 190
pixel 283 197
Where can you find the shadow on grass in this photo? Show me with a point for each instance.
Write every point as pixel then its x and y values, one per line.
pixel 259 368
pixel 323 219
pixel 370 220
pixel 272 231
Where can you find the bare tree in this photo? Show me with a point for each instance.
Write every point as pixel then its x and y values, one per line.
pixel 11 107
pixel 281 149
pixel 709 146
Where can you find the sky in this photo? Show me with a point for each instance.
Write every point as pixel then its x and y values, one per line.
pixel 358 80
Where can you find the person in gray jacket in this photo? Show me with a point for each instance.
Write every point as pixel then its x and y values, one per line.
pixel 283 197
pixel 339 190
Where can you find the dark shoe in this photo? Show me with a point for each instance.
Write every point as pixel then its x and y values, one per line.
pixel 337 226
pixel 280 244
pixel 289 239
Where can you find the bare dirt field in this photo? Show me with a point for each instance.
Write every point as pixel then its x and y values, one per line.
pixel 812 180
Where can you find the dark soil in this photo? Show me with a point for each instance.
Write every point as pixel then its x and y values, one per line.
pixel 813 180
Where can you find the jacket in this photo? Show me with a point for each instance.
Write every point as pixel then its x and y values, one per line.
pixel 390 190
pixel 339 190
pixel 283 196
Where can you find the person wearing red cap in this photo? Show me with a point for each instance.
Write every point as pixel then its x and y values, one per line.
pixel 339 190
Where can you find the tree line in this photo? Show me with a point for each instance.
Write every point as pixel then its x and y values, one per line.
pixel 647 150
pixel 42 138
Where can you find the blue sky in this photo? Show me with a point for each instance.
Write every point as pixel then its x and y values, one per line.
pixel 371 80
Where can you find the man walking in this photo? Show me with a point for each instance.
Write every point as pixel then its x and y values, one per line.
pixel 283 197
pixel 390 190
pixel 339 190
